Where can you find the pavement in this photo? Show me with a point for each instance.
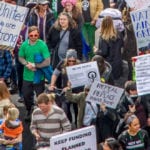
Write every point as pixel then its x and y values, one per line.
pixel 28 139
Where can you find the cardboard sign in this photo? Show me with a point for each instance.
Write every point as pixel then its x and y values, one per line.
pixel 141 24
pixel 104 93
pixel 138 4
pixel 81 139
pixel 12 18
pixel 142 71
pixel 83 74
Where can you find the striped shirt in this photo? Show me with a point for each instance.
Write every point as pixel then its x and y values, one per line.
pixel 53 124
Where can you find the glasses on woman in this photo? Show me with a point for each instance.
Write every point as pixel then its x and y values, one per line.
pixel 71 61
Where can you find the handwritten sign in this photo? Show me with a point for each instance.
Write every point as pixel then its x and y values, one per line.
pixel 142 71
pixel 12 18
pixel 81 139
pixel 83 74
pixel 138 4
pixel 141 24
pixel 104 93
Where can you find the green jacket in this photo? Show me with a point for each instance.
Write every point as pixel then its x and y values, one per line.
pixel 80 100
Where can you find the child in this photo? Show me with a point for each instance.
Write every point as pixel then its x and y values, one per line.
pixel 12 130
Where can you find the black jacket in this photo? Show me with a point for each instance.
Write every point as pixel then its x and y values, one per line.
pixel 111 51
pixel 75 41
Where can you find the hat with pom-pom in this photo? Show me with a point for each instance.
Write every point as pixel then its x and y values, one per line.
pixel 73 2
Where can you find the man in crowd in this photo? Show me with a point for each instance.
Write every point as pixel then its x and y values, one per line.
pixel 28 52
pixel 47 121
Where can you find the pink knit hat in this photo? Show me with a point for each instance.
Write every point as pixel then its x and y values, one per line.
pixel 73 2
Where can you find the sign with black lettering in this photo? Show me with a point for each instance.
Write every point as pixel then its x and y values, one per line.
pixel 104 93
pixel 83 74
pixel 142 72
pixel 141 24
pixel 12 18
pixel 81 139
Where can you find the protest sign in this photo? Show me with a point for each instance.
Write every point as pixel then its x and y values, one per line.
pixel 83 74
pixel 138 4
pixel 81 139
pixel 12 18
pixel 141 24
pixel 104 93
pixel 142 72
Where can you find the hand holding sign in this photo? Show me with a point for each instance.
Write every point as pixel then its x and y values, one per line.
pixel 103 93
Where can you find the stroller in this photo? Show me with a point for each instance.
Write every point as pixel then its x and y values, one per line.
pixel 116 16
pixel 7 147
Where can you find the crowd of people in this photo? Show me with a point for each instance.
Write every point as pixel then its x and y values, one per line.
pixel 51 40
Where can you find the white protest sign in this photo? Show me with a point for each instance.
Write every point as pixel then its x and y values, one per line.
pixel 141 24
pixel 142 71
pixel 137 4
pixel 104 93
pixel 12 18
pixel 81 139
pixel 83 74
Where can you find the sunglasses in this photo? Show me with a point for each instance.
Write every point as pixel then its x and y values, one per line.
pixel 72 61
pixel 33 35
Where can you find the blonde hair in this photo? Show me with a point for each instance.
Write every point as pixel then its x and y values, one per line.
pixel 51 97
pixel 4 92
pixel 13 113
pixel 6 107
pixel 33 28
pixel 107 29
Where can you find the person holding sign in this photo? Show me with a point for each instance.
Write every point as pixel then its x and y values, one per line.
pixel 5 65
pixel 138 105
pixel 47 121
pixel 78 98
pixel 60 71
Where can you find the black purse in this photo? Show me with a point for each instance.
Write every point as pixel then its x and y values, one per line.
pixel 55 58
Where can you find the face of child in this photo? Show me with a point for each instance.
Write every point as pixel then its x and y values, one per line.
pixel 134 126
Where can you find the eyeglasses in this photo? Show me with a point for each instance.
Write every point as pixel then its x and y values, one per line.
pixel 33 35
pixel 72 61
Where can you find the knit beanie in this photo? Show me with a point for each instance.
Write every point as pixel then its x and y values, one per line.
pixel 71 53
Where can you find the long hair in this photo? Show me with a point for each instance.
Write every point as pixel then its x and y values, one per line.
pixel 71 23
pixel 107 29
pixel 75 12
pixel 4 92
pixel 65 64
